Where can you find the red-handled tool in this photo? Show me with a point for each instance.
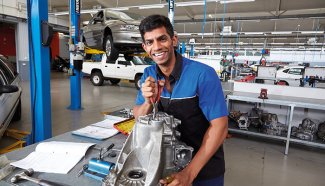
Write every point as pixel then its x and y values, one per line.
pixel 155 100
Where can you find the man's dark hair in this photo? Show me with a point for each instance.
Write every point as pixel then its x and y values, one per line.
pixel 155 21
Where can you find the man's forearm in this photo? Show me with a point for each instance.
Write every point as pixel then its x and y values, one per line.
pixel 212 140
pixel 141 110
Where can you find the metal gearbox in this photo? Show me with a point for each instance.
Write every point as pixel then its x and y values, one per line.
pixel 306 130
pixel 151 152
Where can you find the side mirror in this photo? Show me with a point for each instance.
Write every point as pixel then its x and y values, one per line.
pixel 8 89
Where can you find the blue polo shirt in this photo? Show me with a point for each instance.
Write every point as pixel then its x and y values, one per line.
pixel 196 99
pixel 196 80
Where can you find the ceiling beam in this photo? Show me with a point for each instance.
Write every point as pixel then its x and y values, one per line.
pixel 297 16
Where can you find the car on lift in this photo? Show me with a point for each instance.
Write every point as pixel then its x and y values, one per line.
pixel 114 32
pixel 10 94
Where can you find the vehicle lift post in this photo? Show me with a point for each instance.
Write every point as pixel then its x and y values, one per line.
pixel 76 57
pixel 39 58
pixel 171 10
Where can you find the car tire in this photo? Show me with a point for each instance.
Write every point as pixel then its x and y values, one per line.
pixel 17 115
pixel 137 82
pixel 97 78
pixel 110 50
pixel 114 81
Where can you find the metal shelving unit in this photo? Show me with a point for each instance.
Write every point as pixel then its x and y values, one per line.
pixel 290 102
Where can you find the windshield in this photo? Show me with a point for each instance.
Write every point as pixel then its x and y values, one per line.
pixel 122 15
pixel 139 61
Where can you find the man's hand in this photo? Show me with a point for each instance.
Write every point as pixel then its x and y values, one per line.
pixel 182 178
pixel 149 88
pixel 149 91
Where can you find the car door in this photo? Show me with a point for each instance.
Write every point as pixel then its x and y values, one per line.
pixel 93 32
pixel 4 104
pixel 125 69
pixel 8 100
pixel 109 68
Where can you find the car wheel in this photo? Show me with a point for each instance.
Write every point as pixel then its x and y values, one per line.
pixel 137 82
pixel 111 51
pixel 17 115
pixel 97 78
pixel 114 81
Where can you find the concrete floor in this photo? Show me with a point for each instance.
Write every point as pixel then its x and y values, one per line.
pixel 249 161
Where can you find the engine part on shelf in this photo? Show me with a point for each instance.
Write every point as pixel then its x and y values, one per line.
pixel 243 121
pixel 151 152
pixel 306 130
pixel 271 126
pixel 255 117
pixel 235 115
pixel 321 131
pixel 263 94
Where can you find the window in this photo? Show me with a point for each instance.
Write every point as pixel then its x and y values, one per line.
pixel 285 70
pixel 124 62
pixel 295 71
pixel 257 53
pixel 139 61
pixel 96 16
pixel 249 53
pixel 2 79
pixel 110 62
pixel 8 73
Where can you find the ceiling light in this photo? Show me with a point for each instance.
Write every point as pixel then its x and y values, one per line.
pixel 312 32
pixel 183 34
pixel 192 3
pixel 253 33
pixel 205 34
pixel 235 1
pixel 151 6
pixel 280 33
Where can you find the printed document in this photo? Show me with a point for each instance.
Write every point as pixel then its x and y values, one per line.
pixel 54 157
pixel 100 130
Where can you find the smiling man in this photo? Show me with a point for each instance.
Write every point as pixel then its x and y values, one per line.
pixel 192 92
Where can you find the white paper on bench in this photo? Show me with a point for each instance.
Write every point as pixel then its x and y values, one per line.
pixel 54 157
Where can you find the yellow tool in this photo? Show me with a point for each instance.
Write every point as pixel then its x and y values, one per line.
pixel 125 126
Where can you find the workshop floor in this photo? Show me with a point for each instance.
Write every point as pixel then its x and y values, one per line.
pixel 249 161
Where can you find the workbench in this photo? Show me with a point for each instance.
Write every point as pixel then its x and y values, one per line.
pixel 71 178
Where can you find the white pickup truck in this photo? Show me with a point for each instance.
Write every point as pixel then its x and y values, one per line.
pixel 114 71
pixel 290 75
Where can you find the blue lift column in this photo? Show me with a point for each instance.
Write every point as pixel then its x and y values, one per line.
pixel 183 48
pixel 171 10
pixel 192 51
pixel 75 56
pixel 39 57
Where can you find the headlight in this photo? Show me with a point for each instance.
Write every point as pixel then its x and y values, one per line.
pixel 129 27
